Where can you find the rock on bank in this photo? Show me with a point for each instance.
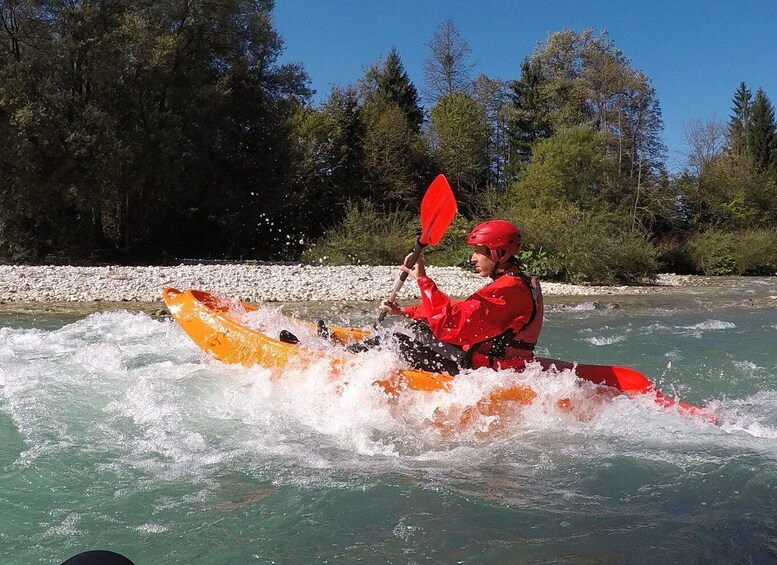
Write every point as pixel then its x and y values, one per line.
pixel 254 283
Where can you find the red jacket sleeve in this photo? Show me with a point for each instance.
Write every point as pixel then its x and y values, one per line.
pixel 490 311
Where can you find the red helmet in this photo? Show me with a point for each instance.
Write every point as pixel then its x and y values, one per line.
pixel 501 238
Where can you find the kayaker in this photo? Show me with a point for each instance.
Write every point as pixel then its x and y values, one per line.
pixel 497 326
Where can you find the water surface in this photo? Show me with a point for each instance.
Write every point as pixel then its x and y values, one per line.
pixel 117 433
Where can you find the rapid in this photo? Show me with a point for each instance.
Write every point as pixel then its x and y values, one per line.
pixel 118 433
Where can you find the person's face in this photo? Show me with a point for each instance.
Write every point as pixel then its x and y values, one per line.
pixel 481 259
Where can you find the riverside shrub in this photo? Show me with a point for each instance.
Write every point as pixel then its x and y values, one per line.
pixel 744 252
pixel 566 244
pixel 366 236
pixel 581 246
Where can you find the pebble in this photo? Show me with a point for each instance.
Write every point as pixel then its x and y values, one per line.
pixel 254 283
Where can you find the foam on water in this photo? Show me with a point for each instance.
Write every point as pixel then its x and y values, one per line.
pixel 694 330
pixel 123 425
pixel 597 340
pixel 587 306
pixel 138 402
pixel 137 390
pixel 617 336
pixel 711 325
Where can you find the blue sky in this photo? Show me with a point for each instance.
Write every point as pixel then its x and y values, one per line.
pixel 696 52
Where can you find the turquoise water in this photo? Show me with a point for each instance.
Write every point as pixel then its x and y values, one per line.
pixel 118 434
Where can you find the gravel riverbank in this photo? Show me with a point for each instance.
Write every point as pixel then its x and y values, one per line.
pixel 255 283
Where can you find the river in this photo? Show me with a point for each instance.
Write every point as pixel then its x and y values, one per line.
pixel 118 434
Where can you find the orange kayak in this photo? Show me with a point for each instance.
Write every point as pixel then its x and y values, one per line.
pixel 214 324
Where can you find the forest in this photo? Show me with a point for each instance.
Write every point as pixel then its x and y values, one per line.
pixel 147 131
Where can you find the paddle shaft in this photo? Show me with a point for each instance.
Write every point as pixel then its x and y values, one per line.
pixel 411 261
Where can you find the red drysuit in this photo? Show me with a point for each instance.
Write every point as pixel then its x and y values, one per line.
pixel 511 302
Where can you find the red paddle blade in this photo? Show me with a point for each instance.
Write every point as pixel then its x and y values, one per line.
pixel 438 209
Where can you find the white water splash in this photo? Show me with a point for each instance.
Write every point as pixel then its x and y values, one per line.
pixel 599 341
pixel 582 307
pixel 711 325
pixel 137 395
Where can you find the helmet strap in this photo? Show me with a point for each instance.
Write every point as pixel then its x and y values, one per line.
pixel 504 266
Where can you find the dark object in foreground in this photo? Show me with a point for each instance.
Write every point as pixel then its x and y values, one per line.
pixel 98 557
pixel 287 337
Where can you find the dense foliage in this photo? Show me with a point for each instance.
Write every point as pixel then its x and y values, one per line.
pixel 145 129
pixel 151 131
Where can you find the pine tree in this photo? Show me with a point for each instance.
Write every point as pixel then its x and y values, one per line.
pixel 761 137
pixel 737 125
pixel 395 84
pixel 530 116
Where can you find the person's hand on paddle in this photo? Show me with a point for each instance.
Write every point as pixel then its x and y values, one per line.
pixel 392 307
pixel 417 270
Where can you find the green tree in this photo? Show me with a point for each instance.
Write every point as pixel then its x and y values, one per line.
pixel 389 82
pixel 706 149
pixel 63 143
pixel 570 168
pixel 580 78
pixel 330 143
pixel 530 112
pixel 447 70
pixel 493 98
pixel 575 78
pixel 761 139
pixel 459 135
pixel 731 185
pixel 729 194
pixel 740 119
pixel 147 128
pixel 396 159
